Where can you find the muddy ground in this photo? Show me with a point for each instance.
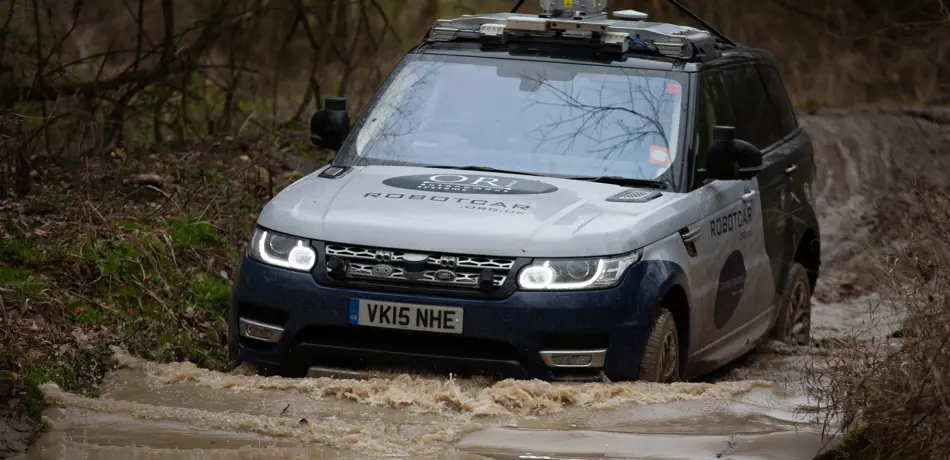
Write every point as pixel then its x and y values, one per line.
pixel 753 410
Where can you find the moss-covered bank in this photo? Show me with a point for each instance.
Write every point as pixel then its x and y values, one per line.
pixel 134 249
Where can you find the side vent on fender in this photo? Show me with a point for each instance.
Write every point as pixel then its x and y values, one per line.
pixel 635 196
pixel 690 235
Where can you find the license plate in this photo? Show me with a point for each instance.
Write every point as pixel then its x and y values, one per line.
pixel 395 315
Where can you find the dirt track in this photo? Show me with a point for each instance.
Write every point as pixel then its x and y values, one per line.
pixel 747 412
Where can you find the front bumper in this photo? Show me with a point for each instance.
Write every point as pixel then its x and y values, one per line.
pixel 504 338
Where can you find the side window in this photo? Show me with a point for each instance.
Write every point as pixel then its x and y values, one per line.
pixel 714 108
pixel 751 105
pixel 782 112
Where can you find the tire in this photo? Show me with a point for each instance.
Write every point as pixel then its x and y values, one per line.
pixel 793 325
pixel 662 358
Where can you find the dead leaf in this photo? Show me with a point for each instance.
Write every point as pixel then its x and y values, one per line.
pixel 150 179
pixel 263 175
pixel 244 158
pixel 80 336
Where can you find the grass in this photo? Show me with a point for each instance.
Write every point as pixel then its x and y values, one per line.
pixel 110 260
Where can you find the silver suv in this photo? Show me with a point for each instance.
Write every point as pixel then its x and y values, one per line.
pixel 563 197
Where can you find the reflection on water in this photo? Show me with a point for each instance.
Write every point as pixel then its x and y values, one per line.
pixel 178 411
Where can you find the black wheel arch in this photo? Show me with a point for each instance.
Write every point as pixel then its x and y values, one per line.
pixel 675 297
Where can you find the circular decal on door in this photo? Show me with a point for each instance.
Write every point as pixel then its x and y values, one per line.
pixel 470 183
pixel 731 285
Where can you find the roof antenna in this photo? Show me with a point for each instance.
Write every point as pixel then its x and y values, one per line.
pixel 705 24
pixel 517 6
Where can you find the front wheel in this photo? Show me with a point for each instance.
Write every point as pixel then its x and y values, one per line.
pixel 661 357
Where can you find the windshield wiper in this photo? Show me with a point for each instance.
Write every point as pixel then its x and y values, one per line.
pixel 482 169
pixel 625 181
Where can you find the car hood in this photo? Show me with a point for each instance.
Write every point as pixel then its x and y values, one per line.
pixel 467 212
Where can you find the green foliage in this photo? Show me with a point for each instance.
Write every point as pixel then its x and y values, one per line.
pixel 21 280
pixel 194 234
pixel 212 294
pixel 17 252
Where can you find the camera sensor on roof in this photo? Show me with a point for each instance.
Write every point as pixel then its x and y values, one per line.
pixel 630 15
pixel 575 9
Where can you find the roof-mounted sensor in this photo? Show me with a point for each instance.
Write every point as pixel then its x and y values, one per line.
pixel 630 15
pixel 585 22
pixel 574 9
pixel 617 35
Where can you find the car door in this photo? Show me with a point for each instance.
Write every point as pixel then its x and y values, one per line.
pixel 787 164
pixel 757 124
pixel 729 254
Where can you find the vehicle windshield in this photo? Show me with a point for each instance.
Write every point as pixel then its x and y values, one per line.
pixel 555 119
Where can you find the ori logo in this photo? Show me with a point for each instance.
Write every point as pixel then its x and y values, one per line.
pixel 474 184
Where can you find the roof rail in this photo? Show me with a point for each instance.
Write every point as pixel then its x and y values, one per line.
pixel 619 35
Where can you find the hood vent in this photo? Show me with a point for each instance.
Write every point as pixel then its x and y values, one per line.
pixel 334 172
pixel 635 196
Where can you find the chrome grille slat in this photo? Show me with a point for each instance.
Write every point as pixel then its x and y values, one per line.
pixel 357 252
pixel 462 279
pixel 466 268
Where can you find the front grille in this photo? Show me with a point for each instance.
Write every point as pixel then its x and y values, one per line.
pixel 461 279
pixel 448 270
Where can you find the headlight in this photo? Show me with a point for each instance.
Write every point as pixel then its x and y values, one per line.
pixel 281 250
pixel 573 274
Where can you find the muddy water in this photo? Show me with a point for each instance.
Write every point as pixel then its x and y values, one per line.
pixel 151 411
pixel 757 409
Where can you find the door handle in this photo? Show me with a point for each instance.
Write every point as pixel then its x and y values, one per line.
pixel 790 169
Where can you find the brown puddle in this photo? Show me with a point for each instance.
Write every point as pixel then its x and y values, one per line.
pixel 178 411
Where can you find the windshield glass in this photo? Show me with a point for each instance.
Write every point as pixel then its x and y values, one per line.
pixel 572 120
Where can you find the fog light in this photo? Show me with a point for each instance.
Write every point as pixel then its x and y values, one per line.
pixel 260 331
pixel 574 358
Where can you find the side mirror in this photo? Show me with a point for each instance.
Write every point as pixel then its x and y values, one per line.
pixel 732 159
pixel 330 126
